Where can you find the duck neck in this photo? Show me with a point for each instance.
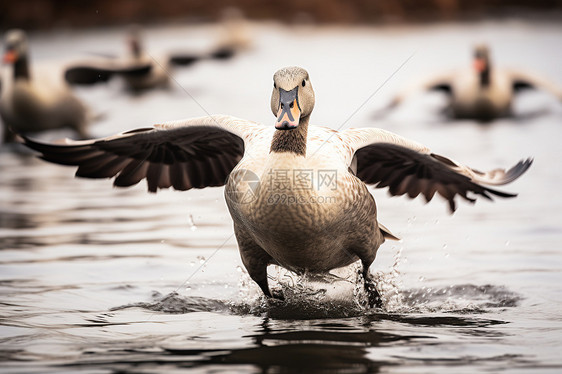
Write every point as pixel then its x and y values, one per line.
pixel 485 77
pixel 291 141
pixel 136 48
pixel 21 68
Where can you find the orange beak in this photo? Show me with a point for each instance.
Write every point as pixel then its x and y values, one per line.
pixel 479 64
pixel 289 112
pixel 10 57
pixel 288 119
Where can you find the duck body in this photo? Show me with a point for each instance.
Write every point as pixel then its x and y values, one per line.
pixel 31 107
pixel 38 104
pixel 305 207
pixel 156 77
pixel 470 99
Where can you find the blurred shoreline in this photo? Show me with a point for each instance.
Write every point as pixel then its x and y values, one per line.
pixel 52 14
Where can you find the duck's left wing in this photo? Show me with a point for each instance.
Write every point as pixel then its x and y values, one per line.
pixel 193 153
pixel 385 159
pixel 440 83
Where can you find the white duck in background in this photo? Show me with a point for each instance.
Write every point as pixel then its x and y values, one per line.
pixel 297 193
pixel 35 103
pixel 132 67
pixel 482 92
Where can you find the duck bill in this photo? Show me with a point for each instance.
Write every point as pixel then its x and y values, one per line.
pixel 10 57
pixel 479 64
pixel 289 112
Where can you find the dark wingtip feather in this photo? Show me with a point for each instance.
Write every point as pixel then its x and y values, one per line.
pixel 519 168
pixel 499 193
pixel 452 206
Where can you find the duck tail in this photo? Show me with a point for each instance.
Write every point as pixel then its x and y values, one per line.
pixel 386 233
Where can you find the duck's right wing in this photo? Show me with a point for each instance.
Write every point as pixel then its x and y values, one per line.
pixel 222 53
pixel 193 153
pixel 103 70
pixel 441 83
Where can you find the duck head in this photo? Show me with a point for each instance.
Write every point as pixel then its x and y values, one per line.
pixel 15 52
pixel 293 97
pixel 481 64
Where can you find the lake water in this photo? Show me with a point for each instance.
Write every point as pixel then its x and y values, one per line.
pixel 98 279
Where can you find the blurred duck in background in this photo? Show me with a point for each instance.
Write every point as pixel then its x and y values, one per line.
pixel 482 92
pixel 38 103
pixel 156 76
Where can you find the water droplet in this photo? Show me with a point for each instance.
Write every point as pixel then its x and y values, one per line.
pixel 507 243
pixel 191 223
pixel 444 246
pixel 421 279
pixel 447 254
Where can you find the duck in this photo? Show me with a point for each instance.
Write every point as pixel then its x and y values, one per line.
pixel 35 104
pixel 139 70
pixel 481 92
pixel 297 193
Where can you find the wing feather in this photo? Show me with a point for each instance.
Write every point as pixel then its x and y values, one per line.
pixel 387 160
pixel 194 153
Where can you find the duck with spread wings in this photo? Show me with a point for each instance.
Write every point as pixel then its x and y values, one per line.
pixel 284 212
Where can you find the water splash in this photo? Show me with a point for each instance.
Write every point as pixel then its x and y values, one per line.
pixel 191 223
pixel 464 298
pixel 173 303
pixel 339 293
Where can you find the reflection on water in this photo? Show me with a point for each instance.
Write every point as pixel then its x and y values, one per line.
pixel 104 279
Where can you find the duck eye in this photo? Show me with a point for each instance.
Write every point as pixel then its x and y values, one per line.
pixel 303 83
pixel 274 85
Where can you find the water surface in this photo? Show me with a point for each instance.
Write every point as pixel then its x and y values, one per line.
pixel 99 279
